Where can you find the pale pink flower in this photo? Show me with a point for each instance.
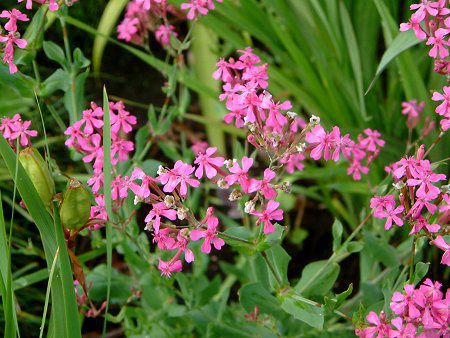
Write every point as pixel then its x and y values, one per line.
pixel 391 216
pixel 444 107
pixel 269 213
pixel 372 141
pixel 163 34
pixel 8 54
pixel 414 24
pixel 195 7
pixel 21 131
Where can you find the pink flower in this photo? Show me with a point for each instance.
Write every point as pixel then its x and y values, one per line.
pixel 207 164
pixel 199 147
pixel 146 4
pixel 391 216
pixel 92 118
pixel 20 131
pixel 406 304
pixel 14 15
pixel 443 245
pixel 158 210
pixel 119 187
pixel 322 142
pixel 424 179
pixel 444 107
pixel 407 165
pixel 372 141
pixel 120 149
pixel 421 223
pixel 94 152
pixel 164 240
pixel 163 34
pixel 270 212
pixel 142 191
pixel 426 6
pixel 240 175
pixel 96 181
pixel 167 268
pixel 403 331
pixel 128 28
pixel 438 47
pixel 99 210
pixel 195 7
pixel 123 120
pixel 182 244
pixel 293 162
pixel 382 203
pixel 179 175
pixel 264 185
pixel 76 136
pixel 414 24
pixel 380 328
pixel 210 235
pixel 8 54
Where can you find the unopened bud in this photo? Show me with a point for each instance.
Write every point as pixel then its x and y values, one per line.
pixel 249 206
pixel 137 200
pixel 39 174
pixel 235 195
pixel 314 120
pixel 301 147
pixel 161 170
pixel 446 189
pixel 75 208
pixel 148 226
pixel 169 201
pixel 286 187
pixel 229 163
pixel 222 184
pixel 399 185
pixel 291 115
pixel 421 152
pixel 182 212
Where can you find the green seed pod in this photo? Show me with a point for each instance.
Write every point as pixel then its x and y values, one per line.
pixel 39 174
pixel 76 206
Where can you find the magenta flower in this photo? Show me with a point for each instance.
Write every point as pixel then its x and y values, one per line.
pixel 414 24
pixel 92 119
pixel 381 204
pixel 380 328
pixel 426 6
pixel 240 175
pixel 99 210
pixel 438 47
pixel 119 187
pixel 182 244
pixel 356 169
pixel 207 164
pixel 443 245
pixel 146 4
pixel 167 268
pixel 199 147
pixel 96 181
pixel 20 131
pixel 270 213
pixel 424 179
pixel 293 162
pixel 210 235
pixel 14 15
pixel 406 304
pixel 195 7
pixel 142 191
pixel 179 175
pixel 409 166
pixel 421 223
pixel 158 210
pixel 391 216
pixel 163 34
pixel 94 151
pixel 403 331
pixel 76 136
pixel 122 121
pixel 322 142
pixel 164 240
pixel 120 149
pixel 372 141
pixel 8 54
pixel 420 204
pixel 444 108
pixel 264 185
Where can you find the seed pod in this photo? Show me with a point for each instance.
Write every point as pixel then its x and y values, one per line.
pixel 76 206
pixel 39 174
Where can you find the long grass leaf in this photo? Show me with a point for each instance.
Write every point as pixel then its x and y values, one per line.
pixel 106 25
pixel 47 293
pixel 107 195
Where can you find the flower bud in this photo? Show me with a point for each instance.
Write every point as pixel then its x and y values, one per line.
pixel 235 195
pixel 249 206
pixel 76 206
pixel 169 201
pixel 314 120
pixel 182 212
pixel 421 152
pixel 39 174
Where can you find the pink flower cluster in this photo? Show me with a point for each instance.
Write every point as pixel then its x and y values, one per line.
pixel 282 133
pixel 418 312
pixel 13 129
pixel 431 21
pixel 86 137
pixel 423 205
pixel 12 37
pixel 144 16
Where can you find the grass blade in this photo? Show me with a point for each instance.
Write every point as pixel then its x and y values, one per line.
pixel 47 294
pixel 107 195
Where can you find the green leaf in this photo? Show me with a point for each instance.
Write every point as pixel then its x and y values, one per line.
pixel 420 271
pixel 280 261
pixel 120 285
pixel 59 80
pixel 337 230
pixel 300 309
pixel 381 250
pixel 354 246
pixel 54 52
pixel 254 294
pixel 318 278
pixel 403 41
